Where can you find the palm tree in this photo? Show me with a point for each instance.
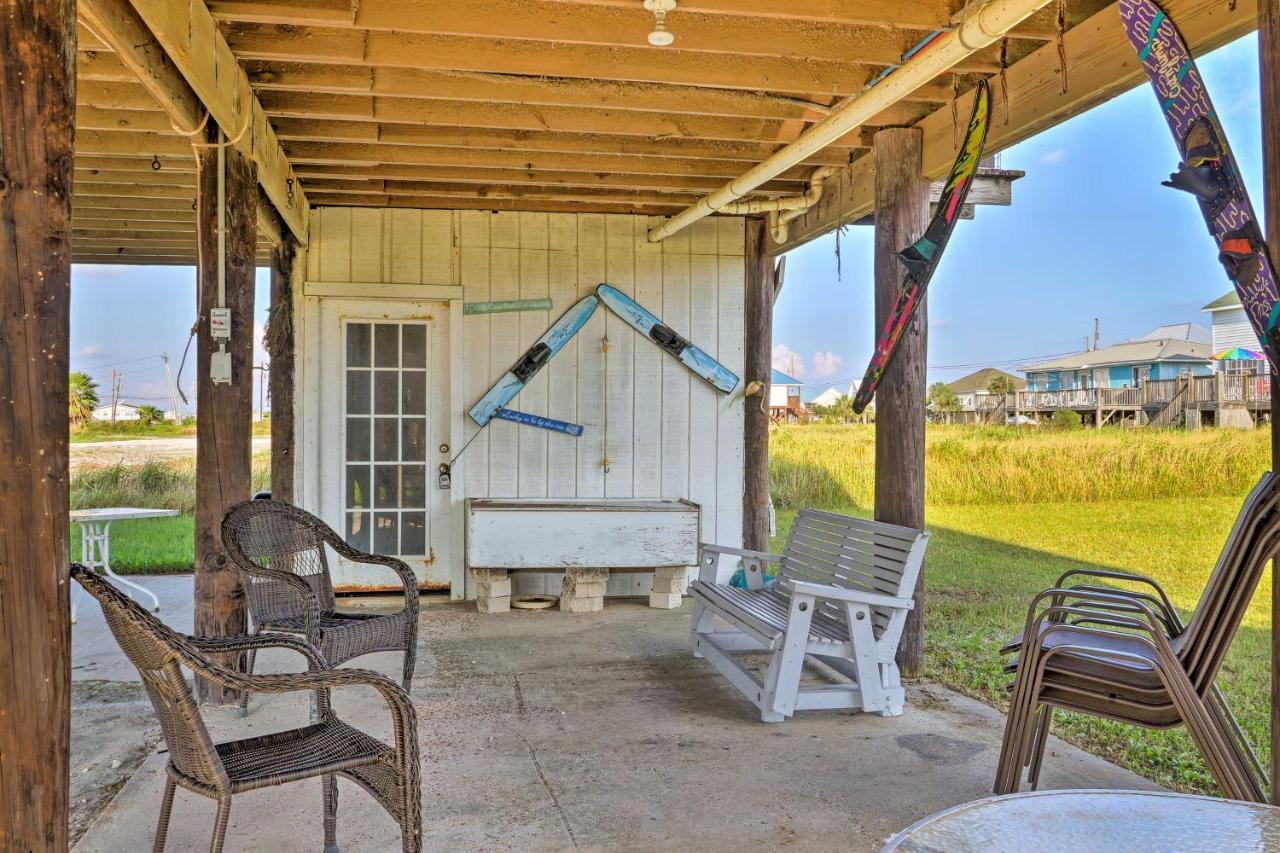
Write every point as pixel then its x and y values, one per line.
pixel 943 400
pixel 1001 384
pixel 83 396
pixel 148 415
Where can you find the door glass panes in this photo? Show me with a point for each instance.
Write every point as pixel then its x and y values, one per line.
pixel 385 418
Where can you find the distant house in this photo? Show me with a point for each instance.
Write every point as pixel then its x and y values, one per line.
pixel 968 388
pixel 124 412
pixel 1230 329
pixel 1127 365
pixel 784 397
pixel 829 397
pixel 1178 332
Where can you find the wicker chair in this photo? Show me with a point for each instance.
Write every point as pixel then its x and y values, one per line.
pixel 326 748
pixel 280 551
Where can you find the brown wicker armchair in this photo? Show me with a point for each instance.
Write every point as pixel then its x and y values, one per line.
pixel 280 551
pixel 326 748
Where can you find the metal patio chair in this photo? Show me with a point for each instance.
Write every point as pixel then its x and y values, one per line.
pixel 280 551
pixel 1126 655
pixel 327 748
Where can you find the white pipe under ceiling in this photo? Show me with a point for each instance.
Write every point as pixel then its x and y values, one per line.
pixel 980 28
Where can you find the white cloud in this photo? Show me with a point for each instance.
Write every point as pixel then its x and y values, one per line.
pixel 788 361
pixel 259 348
pixel 826 364
pixel 1057 155
pixel 91 351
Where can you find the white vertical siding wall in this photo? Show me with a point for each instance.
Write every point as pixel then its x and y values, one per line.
pixel 1231 328
pixel 664 432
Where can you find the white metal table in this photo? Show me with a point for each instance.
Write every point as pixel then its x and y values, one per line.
pixel 95 543
pixel 1119 821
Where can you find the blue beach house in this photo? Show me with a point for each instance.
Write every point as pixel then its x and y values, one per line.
pixel 1127 365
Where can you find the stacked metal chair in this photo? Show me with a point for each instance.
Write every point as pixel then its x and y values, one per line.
pixel 280 551
pixel 1126 655
pixel 327 748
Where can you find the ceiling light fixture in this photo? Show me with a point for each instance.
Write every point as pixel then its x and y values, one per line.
pixel 661 36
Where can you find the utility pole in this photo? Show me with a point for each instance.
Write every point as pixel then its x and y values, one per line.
pixel 173 390
pixel 115 395
pixel 1097 334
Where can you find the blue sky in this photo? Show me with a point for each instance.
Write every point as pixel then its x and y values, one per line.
pixel 1091 234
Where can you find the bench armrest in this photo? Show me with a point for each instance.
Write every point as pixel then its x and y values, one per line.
pixel 853 596
pixel 709 559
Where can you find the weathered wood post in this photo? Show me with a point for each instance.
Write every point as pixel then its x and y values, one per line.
pixel 1269 72
pixel 37 135
pixel 224 411
pixel 280 346
pixel 901 214
pixel 758 361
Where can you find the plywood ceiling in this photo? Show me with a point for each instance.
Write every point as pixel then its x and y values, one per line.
pixel 556 105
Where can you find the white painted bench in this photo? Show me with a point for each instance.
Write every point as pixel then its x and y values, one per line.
pixel 842 593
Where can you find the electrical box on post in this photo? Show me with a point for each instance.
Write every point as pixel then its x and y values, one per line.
pixel 220 368
pixel 220 324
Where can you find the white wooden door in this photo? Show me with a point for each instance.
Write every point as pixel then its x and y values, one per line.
pixel 384 434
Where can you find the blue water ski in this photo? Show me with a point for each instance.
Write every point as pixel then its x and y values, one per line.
pixel 538 421
pixel 534 359
pixel 644 322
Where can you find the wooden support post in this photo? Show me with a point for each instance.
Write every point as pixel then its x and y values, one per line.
pixel 224 411
pixel 759 357
pixel 37 136
pixel 1269 72
pixel 280 345
pixel 902 212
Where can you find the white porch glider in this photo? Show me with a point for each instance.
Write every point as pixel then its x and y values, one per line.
pixel 842 593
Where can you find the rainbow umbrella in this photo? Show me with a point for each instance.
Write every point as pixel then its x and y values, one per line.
pixel 1238 354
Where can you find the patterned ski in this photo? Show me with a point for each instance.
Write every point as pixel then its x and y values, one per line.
pixel 537 356
pixel 921 257
pixel 538 421
pixel 644 322
pixel 1208 169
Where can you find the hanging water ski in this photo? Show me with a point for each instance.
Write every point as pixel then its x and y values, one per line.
pixel 921 258
pixel 646 323
pixel 534 359
pixel 1208 170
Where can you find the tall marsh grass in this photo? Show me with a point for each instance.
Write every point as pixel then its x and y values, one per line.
pixel 834 465
pixel 153 484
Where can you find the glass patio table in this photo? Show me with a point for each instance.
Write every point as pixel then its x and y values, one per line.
pixel 1114 821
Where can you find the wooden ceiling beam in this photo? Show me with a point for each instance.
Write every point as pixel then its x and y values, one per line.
pixel 455 53
pixel 523 117
pixel 428 202
pixel 369 154
pixel 314 130
pixel 89 163
pixel 904 14
pixel 660 183
pixel 488 192
pixel 626 27
pixel 430 84
pixel 1100 65
pixel 190 39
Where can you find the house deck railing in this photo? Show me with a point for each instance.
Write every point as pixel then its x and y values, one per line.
pixel 1251 390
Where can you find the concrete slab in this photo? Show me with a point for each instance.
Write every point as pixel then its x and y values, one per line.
pixel 545 731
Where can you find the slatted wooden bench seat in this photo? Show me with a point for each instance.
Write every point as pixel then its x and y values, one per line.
pixel 842 591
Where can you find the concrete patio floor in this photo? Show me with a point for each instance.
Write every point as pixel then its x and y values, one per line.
pixel 549 731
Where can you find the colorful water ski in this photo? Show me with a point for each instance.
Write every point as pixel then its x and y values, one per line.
pixel 921 257
pixel 538 421
pixel 644 322
pixel 537 356
pixel 1208 169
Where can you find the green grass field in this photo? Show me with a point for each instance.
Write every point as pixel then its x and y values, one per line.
pixel 1010 511
pixel 993 548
